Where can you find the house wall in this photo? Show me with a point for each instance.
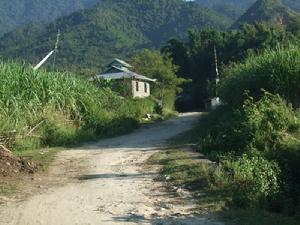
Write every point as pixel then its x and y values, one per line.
pixel 140 89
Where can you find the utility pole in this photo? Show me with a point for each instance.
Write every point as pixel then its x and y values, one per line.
pixel 50 53
pixel 216 64
pixel 217 68
pixel 215 102
pixel 56 48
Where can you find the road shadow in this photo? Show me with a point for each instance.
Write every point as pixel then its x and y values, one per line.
pixel 121 176
pixel 171 220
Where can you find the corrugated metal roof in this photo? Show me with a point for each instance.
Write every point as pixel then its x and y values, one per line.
pixel 120 71
pixel 121 62
pixel 122 75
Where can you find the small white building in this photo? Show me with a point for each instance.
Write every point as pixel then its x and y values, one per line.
pixel 120 70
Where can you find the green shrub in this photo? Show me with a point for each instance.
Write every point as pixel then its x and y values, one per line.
pixel 26 144
pixel 268 128
pixel 139 107
pixel 256 133
pixel 253 180
pixel 276 71
pixel 254 125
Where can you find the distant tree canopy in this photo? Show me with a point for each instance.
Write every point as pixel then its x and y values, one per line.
pixel 195 57
pixel 153 64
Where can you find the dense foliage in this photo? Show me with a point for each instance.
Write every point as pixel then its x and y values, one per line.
pixel 256 139
pixel 252 180
pixel 231 8
pixel 91 38
pixel 15 13
pixel 19 13
pixel 276 71
pixel 236 8
pixel 40 108
pixel 196 61
pixel 267 11
pixel 293 4
pixel 159 67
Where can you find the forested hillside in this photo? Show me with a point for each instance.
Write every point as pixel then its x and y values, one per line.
pixel 235 8
pixel 244 4
pixel 230 8
pixel 19 13
pixel 293 4
pixel 15 13
pixel 90 38
pixel 267 10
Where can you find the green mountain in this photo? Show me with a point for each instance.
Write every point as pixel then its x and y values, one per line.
pixel 16 13
pixel 236 8
pixel 272 11
pixel 230 8
pixel 115 28
pixel 19 13
pixel 293 4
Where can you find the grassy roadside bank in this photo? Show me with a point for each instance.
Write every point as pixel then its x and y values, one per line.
pixel 41 157
pixel 185 168
pixel 47 109
pixel 22 166
pixel 42 112
pixel 254 138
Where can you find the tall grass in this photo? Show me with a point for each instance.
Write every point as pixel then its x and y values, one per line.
pixel 44 108
pixel 276 71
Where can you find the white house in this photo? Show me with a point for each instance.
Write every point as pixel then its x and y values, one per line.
pixel 120 70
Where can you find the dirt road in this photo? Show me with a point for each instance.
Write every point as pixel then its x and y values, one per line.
pixel 111 185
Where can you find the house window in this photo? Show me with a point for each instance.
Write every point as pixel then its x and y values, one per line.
pixel 146 87
pixel 137 86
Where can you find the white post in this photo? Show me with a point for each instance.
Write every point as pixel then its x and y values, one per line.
pixel 43 61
